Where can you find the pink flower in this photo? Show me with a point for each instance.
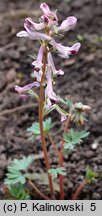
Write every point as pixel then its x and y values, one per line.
pixel 67 24
pixel 26 87
pixel 31 33
pixel 38 75
pixel 33 25
pixel 49 93
pixel 64 51
pixel 49 18
pixel 38 65
pixel 48 21
pixel 52 66
pixel 46 10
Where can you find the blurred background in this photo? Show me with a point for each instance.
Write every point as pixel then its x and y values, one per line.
pixel 82 82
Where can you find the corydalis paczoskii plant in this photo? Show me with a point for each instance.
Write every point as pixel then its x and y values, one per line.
pixel 46 32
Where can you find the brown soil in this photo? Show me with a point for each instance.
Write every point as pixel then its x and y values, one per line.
pixel 82 81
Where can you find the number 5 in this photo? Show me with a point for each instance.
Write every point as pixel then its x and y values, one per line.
pixel 93 207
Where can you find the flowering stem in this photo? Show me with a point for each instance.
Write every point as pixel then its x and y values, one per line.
pixel 41 103
pixel 61 178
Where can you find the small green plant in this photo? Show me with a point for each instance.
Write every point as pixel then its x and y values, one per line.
pixel 90 177
pixel 19 192
pixel 72 114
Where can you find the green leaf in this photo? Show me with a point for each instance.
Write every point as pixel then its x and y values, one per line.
pixel 47 125
pixel 17 171
pixel 66 102
pixel 57 171
pixel 15 179
pixel 74 137
pixel 61 171
pixel 21 164
pixel 34 130
pixel 91 175
pixel 18 192
pixel 53 172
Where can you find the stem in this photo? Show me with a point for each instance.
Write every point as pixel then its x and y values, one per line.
pixel 38 191
pixel 54 145
pixel 41 103
pixel 61 178
pixel 78 190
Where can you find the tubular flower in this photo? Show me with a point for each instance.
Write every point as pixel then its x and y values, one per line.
pixel 48 22
pixel 48 13
pixel 64 51
pixel 38 65
pixel 26 87
pixel 30 31
pixel 49 93
pixel 52 66
pixel 67 24
pixel 34 26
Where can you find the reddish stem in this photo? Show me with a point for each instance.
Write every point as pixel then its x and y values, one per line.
pixel 61 178
pixel 41 103
pixel 38 191
pixel 78 190
pixel 53 144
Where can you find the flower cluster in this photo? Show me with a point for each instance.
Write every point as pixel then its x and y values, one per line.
pixel 45 32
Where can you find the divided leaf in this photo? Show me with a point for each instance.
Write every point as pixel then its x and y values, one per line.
pixel 57 171
pixel 21 164
pixel 91 175
pixel 19 192
pixel 34 130
pixel 47 125
pixel 17 171
pixel 74 137
pixel 66 102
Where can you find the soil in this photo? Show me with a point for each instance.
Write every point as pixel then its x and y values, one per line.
pixel 82 82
